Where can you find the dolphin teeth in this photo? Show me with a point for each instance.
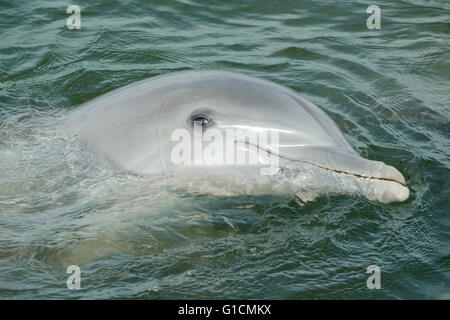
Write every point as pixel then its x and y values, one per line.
pixel 390 173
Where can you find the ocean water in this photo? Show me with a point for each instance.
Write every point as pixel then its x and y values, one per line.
pixel 61 205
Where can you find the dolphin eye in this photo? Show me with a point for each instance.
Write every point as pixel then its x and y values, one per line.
pixel 201 120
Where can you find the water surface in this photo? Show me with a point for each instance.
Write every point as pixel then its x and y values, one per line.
pixel 60 204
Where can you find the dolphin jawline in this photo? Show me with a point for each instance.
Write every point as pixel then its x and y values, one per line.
pixel 358 175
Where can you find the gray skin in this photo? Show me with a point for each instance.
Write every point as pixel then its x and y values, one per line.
pixel 133 126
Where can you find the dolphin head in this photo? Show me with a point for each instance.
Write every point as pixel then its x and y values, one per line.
pixel 191 121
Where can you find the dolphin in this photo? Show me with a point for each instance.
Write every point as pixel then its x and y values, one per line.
pixel 134 127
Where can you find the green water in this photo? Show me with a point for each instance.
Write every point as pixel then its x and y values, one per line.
pixel 387 89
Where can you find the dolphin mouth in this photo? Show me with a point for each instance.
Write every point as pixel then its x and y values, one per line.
pixel 389 173
pixel 389 184
pixel 400 179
